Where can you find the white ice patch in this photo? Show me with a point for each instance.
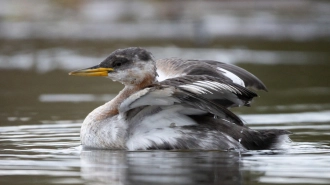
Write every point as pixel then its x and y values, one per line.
pixel 232 76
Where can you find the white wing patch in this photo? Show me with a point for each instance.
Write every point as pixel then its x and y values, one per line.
pixel 204 87
pixel 195 88
pixel 232 76
pixel 163 76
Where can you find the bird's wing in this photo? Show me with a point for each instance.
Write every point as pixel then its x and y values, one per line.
pixel 229 70
pixel 176 67
pixel 191 103
pixel 220 91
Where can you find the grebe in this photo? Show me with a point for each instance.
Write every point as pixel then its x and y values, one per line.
pixel 173 104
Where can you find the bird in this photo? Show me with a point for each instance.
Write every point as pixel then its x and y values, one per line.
pixel 174 104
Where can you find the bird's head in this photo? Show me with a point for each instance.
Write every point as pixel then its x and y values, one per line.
pixel 130 66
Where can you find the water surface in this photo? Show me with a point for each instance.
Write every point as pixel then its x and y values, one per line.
pixel 285 44
pixel 41 115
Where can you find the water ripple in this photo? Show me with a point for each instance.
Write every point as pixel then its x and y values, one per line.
pixel 303 117
pixel 53 149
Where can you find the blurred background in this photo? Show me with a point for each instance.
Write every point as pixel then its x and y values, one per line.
pixel 284 43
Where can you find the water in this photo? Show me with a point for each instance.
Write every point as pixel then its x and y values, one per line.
pixel 50 154
pixel 42 108
pixel 41 115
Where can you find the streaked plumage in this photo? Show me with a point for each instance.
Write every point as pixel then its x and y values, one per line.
pixel 173 104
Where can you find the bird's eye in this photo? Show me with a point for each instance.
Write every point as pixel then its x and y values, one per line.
pixel 120 62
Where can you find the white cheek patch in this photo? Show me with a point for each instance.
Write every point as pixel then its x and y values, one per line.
pixel 232 76
pixel 119 76
pixel 128 76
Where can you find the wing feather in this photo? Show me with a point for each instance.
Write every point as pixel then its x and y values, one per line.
pixel 200 86
pixel 156 95
pixel 226 93
pixel 176 67
pixel 165 95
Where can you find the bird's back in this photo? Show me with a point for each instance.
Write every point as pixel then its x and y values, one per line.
pixel 188 108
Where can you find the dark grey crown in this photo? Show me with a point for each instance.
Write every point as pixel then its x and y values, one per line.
pixel 123 57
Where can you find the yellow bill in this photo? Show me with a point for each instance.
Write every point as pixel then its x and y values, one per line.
pixel 93 71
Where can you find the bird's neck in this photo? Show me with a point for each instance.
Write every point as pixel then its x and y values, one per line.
pixel 110 108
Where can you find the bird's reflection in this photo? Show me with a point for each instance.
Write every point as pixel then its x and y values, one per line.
pixel 100 166
pixel 161 167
